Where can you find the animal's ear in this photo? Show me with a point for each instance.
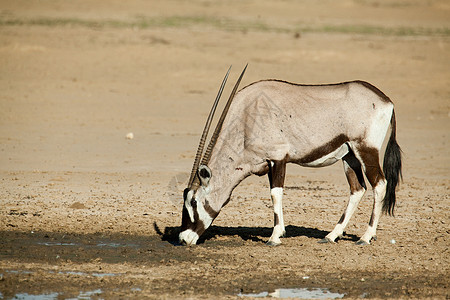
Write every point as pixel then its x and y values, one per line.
pixel 204 173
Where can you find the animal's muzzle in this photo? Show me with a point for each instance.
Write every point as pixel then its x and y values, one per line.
pixel 188 237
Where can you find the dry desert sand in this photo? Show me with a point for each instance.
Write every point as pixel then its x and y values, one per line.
pixel 87 212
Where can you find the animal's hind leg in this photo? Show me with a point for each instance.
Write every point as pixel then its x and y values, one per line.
pixel 374 174
pixel 355 178
pixel 277 172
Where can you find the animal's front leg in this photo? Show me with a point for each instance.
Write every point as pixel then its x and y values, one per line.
pixel 277 172
pixel 278 229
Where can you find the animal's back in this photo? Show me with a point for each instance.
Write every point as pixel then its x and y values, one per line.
pixel 281 118
pixel 350 95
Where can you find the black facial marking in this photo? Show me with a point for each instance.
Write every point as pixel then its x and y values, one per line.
pixel 186 221
pixel 185 192
pixel 211 212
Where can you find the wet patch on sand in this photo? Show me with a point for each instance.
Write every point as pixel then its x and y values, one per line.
pixel 110 265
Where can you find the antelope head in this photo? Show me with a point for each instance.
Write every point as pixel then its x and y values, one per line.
pixel 197 213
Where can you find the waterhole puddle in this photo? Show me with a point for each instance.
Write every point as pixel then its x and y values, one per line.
pixel 100 245
pixel 300 293
pixel 91 274
pixel 95 274
pixel 81 296
pixel 116 245
pixel 18 272
pixel 57 244
pixel 26 296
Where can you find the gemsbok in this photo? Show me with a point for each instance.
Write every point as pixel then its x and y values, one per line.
pixel 270 123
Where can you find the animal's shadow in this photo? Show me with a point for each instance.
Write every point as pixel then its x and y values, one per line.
pixel 255 234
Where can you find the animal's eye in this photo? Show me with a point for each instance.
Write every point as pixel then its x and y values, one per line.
pixel 193 202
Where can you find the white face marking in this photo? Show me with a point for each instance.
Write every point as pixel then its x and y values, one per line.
pixel 202 213
pixel 200 209
pixel 189 208
pixel 188 236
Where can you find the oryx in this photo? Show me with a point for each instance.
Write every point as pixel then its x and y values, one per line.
pixel 270 123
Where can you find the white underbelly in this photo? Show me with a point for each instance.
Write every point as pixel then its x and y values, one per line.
pixel 329 159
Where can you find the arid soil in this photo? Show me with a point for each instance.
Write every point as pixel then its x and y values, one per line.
pixel 87 213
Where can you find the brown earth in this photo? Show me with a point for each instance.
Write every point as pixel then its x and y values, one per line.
pixel 86 212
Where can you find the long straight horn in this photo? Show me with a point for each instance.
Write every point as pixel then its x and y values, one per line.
pixel 215 135
pixel 205 131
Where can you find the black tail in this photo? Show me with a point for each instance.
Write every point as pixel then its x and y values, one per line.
pixel 392 168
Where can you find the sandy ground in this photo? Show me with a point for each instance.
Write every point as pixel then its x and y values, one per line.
pixel 86 212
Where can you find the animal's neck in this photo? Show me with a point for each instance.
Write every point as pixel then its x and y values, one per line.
pixel 228 170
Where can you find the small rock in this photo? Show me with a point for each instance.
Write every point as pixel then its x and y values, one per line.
pixel 129 136
pixel 392 241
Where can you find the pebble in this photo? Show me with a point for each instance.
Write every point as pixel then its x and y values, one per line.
pixel 129 136
pixel 392 241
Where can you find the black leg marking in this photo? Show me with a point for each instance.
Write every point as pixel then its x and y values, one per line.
pixel 276 219
pixel 341 219
pixel 371 219
pixel 371 162
pixel 277 173
pixel 355 178
pixel 355 165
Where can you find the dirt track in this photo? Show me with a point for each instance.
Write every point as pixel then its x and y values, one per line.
pixel 86 212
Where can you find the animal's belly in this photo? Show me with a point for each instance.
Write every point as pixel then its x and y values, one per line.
pixel 328 159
